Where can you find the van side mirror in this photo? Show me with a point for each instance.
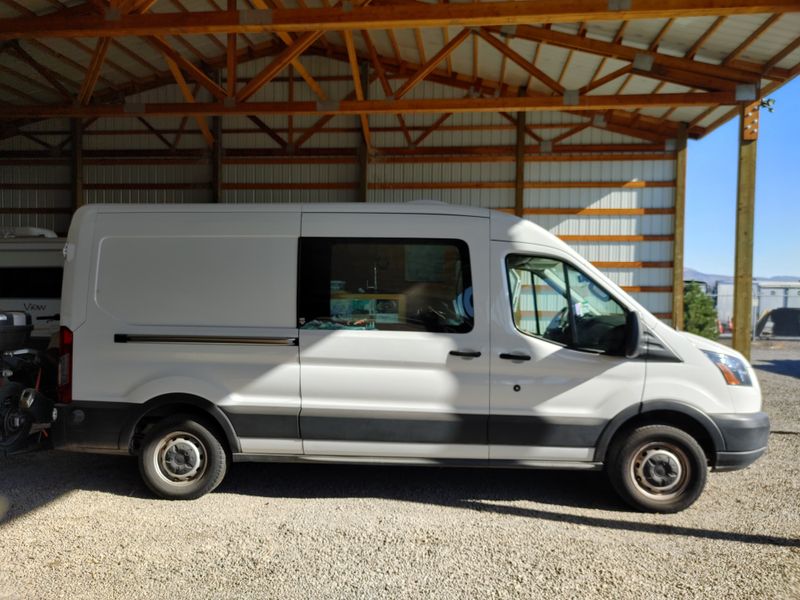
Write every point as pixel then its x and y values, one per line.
pixel 633 335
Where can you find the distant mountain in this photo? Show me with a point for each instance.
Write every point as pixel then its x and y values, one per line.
pixel 711 279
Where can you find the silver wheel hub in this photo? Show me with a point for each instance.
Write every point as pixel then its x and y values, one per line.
pixel 180 458
pixel 660 470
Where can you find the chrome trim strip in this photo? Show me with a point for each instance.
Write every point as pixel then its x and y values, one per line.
pixel 124 338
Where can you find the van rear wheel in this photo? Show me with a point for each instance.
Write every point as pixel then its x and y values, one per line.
pixel 182 459
pixel 657 468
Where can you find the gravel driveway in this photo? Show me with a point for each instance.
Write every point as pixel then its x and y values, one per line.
pixel 82 526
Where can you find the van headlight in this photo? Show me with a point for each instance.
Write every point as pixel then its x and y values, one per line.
pixel 733 369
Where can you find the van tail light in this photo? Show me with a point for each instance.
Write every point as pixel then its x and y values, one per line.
pixel 65 366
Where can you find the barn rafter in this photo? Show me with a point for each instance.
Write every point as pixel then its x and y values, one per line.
pixel 496 24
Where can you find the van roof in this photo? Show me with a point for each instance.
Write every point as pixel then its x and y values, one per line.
pixel 504 226
pixel 415 207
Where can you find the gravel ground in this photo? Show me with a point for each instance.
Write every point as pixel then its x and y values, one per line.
pixel 81 526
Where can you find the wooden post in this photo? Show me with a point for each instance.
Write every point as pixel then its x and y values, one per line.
pixel 680 221
pixel 216 160
pixel 745 217
pixel 363 149
pixel 76 164
pixel 519 182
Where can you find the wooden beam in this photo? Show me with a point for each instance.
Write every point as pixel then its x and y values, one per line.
pixel 748 41
pixel 188 96
pixel 46 73
pixel 384 81
pixel 356 107
pixel 687 78
pixel 517 58
pixel 363 172
pixel 570 132
pixel 392 16
pixel 321 122
pixel 430 129
pixel 596 83
pixel 231 65
pixel 680 221
pixel 429 66
pixel 601 212
pixel 93 72
pixel 280 62
pixel 692 52
pixel 289 40
pixel 745 216
pixel 154 131
pixel 519 167
pixel 358 88
pixel 194 72
pixel 268 130
pixel 216 161
pixel 76 164
pixel 629 53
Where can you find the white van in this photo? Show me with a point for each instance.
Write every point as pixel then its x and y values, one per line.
pixel 422 333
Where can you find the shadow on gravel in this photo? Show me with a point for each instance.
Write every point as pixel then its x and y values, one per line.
pixel 780 367
pixel 706 534
pixel 32 480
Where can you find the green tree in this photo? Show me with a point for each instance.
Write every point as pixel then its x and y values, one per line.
pixel 699 313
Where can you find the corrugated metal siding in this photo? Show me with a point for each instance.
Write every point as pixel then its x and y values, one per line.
pixel 167 183
pixel 639 274
pixel 31 188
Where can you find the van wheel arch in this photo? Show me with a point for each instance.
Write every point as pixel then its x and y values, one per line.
pixel 158 408
pixel 664 412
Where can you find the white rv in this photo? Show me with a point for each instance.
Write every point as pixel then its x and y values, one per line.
pixel 31 271
pixel 423 333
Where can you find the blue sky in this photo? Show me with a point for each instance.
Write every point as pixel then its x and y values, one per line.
pixel 711 193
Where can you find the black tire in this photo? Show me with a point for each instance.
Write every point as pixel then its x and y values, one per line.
pixel 14 427
pixel 657 468
pixel 182 458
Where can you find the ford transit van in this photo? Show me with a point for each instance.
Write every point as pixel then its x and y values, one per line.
pixel 195 336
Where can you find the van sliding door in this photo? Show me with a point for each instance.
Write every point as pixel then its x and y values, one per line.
pixel 394 336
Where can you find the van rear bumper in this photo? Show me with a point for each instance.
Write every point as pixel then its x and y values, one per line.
pixel 90 427
pixel 745 436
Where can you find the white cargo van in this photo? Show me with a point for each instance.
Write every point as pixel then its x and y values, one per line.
pixel 423 333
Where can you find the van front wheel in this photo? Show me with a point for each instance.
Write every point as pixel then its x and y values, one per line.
pixel 657 468
pixel 182 459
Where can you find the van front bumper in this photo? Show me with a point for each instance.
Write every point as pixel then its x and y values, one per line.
pixel 745 436
pixel 90 427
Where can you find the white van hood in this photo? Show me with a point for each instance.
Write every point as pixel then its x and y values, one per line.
pixel 702 343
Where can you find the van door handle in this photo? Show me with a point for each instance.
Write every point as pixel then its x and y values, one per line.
pixel 465 353
pixel 515 356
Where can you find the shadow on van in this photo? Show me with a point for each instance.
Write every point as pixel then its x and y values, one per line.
pixel 35 479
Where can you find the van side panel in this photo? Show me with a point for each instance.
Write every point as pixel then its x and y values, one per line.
pixel 194 303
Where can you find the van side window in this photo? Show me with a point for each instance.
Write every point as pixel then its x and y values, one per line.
pixel 388 284
pixel 555 301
